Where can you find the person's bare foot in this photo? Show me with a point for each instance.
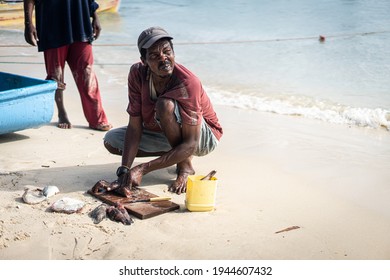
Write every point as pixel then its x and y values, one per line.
pixel 64 123
pixel 183 170
pixel 180 184
pixel 102 127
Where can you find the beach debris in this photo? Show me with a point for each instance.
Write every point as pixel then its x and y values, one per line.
pixel 119 213
pixel 67 205
pixel 35 195
pixel 288 229
pixel 32 195
pixel 49 191
pixel 99 213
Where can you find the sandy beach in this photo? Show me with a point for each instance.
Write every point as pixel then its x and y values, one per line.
pixel 273 171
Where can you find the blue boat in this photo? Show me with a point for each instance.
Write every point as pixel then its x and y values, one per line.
pixel 25 102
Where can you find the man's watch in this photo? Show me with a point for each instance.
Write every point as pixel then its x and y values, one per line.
pixel 122 170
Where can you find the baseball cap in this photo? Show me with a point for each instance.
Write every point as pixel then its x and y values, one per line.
pixel 149 36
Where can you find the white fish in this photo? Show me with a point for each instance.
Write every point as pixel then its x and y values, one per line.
pixel 67 205
pixel 49 191
pixel 32 195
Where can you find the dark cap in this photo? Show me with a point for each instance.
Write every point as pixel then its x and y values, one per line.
pixel 149 36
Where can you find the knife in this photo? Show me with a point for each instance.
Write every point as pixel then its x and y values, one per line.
pixel 152 199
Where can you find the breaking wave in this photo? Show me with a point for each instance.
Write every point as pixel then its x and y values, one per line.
pixel 306 107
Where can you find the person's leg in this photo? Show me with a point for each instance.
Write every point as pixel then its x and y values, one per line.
pixel 165 113
pixel 55 64
pixel 80 61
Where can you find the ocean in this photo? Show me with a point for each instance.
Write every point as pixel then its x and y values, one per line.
pixel 266 55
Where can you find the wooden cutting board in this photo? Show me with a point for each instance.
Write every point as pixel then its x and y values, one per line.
pixel 141 210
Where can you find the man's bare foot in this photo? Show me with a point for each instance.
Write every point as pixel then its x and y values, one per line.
pixel 180 184
pixel 64 123
pixel 102 127
pixel 183 170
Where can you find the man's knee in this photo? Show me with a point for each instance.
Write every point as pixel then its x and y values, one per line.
pixel 111 149
pixel 165 108
pixel 114 140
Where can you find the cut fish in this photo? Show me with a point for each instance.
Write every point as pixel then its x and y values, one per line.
pixel 99 213
pixel 118 213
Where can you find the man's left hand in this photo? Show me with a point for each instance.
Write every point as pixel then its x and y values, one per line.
pixel 96 28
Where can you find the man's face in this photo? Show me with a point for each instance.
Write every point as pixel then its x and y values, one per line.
pixel 160 58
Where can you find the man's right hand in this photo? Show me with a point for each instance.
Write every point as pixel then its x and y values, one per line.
pixel 124 180
pixel 122 186
pixel 131 179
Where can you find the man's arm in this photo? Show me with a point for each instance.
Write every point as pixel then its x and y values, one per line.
pixel 190 136
pixel 179 153
pixel 130 150
pixel 30 33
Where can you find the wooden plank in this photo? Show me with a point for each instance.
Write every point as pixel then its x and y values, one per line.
pixel 141 210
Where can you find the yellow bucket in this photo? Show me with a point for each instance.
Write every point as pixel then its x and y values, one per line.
pixel 200 195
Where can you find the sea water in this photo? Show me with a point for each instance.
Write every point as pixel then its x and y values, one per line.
pixel 266 55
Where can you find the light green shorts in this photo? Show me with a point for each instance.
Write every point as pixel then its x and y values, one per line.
pixel 152 142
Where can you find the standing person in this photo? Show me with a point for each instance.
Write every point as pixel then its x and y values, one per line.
pixel 64 33
pixel 170 116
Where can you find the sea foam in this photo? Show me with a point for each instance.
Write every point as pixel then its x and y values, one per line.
pixel 305 107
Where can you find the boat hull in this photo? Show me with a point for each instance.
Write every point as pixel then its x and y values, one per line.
pixel 25 102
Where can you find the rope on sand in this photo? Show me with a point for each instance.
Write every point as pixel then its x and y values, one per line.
pixel 234 41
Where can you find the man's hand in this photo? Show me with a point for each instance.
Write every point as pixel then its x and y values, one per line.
pixel 132 179
pixel 136 174
pixel 96 28
pixel 30 34
pixel 124 180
